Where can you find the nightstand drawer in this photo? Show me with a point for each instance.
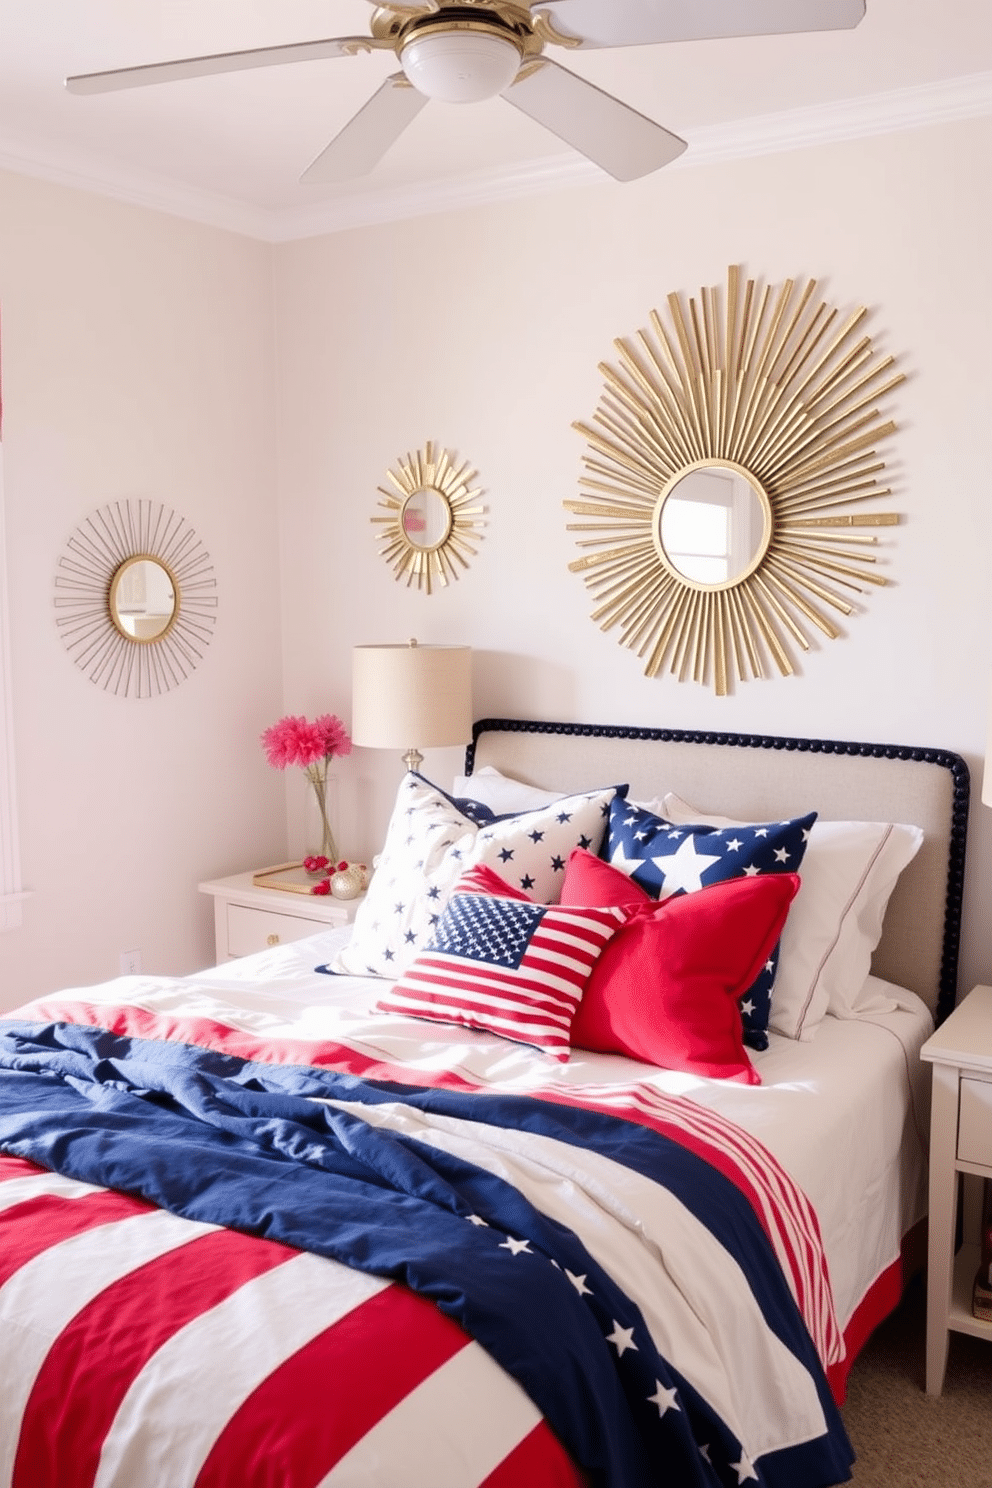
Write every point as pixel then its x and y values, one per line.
pixel 250 918
pixel 250 930
pixel 975 1122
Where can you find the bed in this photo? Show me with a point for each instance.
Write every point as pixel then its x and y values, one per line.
pixel 583 1158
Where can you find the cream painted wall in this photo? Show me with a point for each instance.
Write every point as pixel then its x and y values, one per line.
pixel 146 356
pixel 484 331
pixel 137 362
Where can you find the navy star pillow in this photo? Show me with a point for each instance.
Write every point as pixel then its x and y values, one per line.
pixel 430 843
pixel 666 859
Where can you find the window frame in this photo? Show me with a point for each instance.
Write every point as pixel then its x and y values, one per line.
pixel 11 893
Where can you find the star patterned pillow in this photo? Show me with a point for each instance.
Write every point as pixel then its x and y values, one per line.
pixel 666 859
pixel 430 843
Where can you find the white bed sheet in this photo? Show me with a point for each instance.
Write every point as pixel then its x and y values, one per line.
pixel 847 1114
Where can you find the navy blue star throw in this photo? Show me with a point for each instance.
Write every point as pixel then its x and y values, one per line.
pixel 666 859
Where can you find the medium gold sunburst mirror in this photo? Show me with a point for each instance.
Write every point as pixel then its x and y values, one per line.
pixel 721 465
pixel 135 598
pixel 432 519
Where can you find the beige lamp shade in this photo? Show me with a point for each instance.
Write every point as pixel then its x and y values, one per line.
pixel 411 697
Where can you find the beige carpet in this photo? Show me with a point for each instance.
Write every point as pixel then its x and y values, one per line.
pixel 903 1437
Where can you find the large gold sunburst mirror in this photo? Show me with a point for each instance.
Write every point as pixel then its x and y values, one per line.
pixel 433 517
pixel 723 467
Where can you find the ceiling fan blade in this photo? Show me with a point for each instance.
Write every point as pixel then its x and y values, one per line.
pixel 604 23
pixel 625 143
pixel 190 67
pixel 364 140
pixel 409 8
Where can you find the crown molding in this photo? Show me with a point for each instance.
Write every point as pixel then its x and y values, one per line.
pixel 765 134
pixel 900 109
pixel 101 177
pixel 917 107
pixel 361 207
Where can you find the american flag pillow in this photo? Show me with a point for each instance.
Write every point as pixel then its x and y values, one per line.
pixel 505 965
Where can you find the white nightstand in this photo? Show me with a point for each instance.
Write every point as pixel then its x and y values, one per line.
pixel 248 918
pixel 960 1142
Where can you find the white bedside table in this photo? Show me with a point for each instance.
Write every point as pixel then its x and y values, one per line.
pixel 248 918
pixel 960 1142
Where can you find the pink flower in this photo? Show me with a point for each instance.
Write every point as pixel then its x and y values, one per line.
pixel 296 741
pixel 324 887
pixel 336 738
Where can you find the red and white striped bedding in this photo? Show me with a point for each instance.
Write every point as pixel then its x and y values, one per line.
pixel 135 1342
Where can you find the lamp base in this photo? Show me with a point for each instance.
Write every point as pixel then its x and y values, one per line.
pixel 413 759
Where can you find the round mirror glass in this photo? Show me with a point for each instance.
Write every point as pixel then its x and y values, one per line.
pixel 143 599
pixel 426 518
pixel 713 525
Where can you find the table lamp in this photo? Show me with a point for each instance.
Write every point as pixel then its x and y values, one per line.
pixel 411 697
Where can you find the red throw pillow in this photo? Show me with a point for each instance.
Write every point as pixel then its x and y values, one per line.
pixel 666 988
pixel 604 884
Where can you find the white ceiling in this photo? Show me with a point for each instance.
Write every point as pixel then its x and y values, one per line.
pixel 230 149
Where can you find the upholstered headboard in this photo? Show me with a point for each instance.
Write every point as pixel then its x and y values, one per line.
pixel 765 778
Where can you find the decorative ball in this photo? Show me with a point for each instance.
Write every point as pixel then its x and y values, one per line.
pixel 349 881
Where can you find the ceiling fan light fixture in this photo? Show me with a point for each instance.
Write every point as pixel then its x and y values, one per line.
pixel 463 64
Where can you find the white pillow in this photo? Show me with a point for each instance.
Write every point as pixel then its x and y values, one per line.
pixel 835 922
pixel 501 793
pixel 430 844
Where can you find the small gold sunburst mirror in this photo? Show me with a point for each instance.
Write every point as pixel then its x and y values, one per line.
pixel 433 518
pixel 723 461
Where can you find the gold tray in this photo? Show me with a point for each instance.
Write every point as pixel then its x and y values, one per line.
pixel 292 877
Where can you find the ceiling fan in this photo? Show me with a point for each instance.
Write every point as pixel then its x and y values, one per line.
pixel 475 49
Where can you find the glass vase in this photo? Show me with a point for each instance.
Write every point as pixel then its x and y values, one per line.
pixel 318 838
